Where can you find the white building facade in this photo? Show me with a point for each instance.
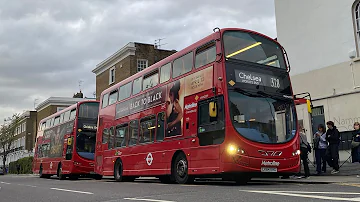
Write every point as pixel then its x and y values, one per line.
pixel 22 146
pixel 322 41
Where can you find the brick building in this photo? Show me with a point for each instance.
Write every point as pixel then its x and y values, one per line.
pixel 130 59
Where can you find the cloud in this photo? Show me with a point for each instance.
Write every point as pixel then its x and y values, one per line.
pixel 46 47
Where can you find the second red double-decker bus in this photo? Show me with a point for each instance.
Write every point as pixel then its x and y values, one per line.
pixel 65 143
pixel 221 107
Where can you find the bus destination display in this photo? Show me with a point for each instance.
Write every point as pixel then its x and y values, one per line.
pixel 255 78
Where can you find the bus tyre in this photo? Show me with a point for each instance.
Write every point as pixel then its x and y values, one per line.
pixel 118 171
pixel 59 173
pixel 180 170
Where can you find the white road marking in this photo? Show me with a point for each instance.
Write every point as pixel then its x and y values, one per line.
pixel 74 191
pixel 30 185
pixel 5 183
pixel 27 185
pixel 144 199
pixel 288 193
pixel 319 192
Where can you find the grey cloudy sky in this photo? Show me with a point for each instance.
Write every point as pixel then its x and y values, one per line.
pixel 46 47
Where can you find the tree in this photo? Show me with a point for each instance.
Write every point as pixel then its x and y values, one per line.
pixel 8 136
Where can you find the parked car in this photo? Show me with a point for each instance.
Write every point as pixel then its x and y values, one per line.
pixel 1 170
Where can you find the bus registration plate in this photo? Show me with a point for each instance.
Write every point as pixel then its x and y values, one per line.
pixel 268 170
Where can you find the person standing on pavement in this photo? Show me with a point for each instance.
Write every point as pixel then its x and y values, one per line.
pixel 304 150
pixel 320 145
pixel 18 168
pixel 355 150
pixel 333 137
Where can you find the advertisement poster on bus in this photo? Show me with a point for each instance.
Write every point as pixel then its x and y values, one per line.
pixel 178 90
pixel 172 95
pixel 56 137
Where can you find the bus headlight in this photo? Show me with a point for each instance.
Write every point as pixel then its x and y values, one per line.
pixel 296 153
pixel 232 149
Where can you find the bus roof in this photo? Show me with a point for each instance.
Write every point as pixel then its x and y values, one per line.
pixel 176 55
pixel 66 109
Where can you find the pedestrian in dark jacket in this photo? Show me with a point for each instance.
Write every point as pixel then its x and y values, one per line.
pixel 333 137
pixel 18 168
pixel 355 152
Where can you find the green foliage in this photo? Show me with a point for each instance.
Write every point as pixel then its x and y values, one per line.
pixel 8 136
pixel 25 166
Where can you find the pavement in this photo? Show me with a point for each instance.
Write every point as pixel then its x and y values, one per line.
pixel 349 173
pixel 30 188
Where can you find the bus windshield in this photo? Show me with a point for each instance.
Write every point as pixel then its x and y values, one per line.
pixel 254 48
pixel 85 144
pixel 262 118
pixel 89 110
pixel 86 134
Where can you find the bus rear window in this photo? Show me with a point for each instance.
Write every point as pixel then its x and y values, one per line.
pixel 89 110
pixel 253 48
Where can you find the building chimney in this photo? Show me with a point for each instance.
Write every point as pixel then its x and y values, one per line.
pixel 78 95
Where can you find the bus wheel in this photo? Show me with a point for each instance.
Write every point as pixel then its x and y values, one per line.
pixel 180 170
pixel 59 173
pixel 118 171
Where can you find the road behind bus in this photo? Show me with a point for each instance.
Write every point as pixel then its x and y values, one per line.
pixel 30 188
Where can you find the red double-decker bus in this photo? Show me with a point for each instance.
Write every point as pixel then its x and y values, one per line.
pixel 222 107
pixel 65 143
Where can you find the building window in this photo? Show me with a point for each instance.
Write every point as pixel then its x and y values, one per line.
pixel 141 64
pixel 357 23
pixel 112 75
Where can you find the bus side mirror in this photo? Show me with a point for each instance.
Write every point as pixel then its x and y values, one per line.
pixel 212 109
pixel 308 103
pixel 69 141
